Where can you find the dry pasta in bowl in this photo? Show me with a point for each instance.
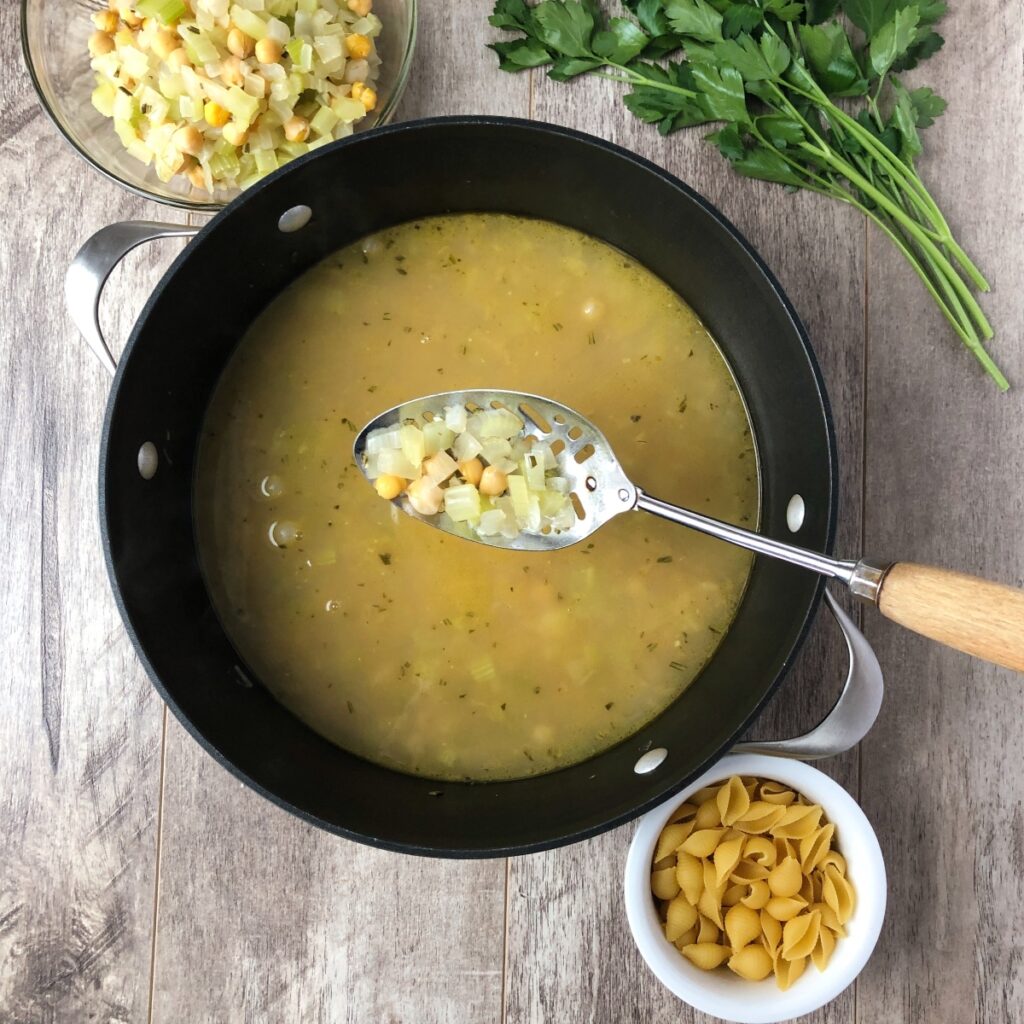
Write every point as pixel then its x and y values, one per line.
pixel 757 894
pixel 746 875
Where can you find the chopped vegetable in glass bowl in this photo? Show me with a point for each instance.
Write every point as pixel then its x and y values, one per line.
pixel 189 101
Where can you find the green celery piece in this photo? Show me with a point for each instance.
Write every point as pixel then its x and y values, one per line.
pixel 165 11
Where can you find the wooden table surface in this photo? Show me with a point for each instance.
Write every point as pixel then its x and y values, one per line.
pixel 141 882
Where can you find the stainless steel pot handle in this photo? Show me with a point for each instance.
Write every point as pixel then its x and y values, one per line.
pixel 852 715
pixel 89 270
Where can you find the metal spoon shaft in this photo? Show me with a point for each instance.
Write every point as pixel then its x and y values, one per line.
pixel 813 560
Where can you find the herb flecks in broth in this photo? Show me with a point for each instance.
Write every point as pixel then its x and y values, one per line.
pixel 420 650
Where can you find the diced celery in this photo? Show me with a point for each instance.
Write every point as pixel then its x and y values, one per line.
pixel 348 109
pixel 242 107
pixel 437 436
pixel 138 149
pixel 396 464
pixel 294 50
pixel 292 149
pixel 494 422
pixel 520 496
pixel 462 502
pixel 322 122
pixel 134 61
pixel 324 140
pixel 307 6
pixel 250 5
pixel 382 439
pixel 328 48
pixel 495 449
pixel 124 107
pixel 199 48
pixel 281 8
pixel 266 161
pixel 171 86
pixel 551 502
pixel 533 514
pixel 125 132
pixel 166 11
pixel 103 98
pixel 466 447
pixel 439 467
pixel 533 470
pixel 251 24
pixel 278 31
pixel 455 418
pixel 107 65
pixel 491 522
pixel 413 444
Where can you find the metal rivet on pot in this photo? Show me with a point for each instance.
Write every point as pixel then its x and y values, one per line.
pixel 651 760
pixel 795 513
pixel 148 460
pixel 293 219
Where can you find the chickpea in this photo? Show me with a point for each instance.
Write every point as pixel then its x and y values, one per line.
pixel 165 43
pixel 177 161
pixel 216 116
pixel 130 18
pixel 100 43
pixel 239 43
pixel 177 59
pixel 124 37
pixel 425 496
pixel 268 51
pixel 388 486
pixel 368 98
pixel 360 7
pixel 231 72
pixel 188 140
pixel 196 177
pixel 296 129
pixel 106 21
pixel 358 46
pixel 234 134
pixel 493 482
pixel 471 470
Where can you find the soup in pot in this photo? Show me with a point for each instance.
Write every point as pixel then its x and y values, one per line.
pixel 419 650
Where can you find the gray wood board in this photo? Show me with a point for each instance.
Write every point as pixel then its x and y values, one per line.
pixel 81 725
pixel 940 775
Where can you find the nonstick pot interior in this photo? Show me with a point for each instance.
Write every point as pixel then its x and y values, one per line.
pixel 362 185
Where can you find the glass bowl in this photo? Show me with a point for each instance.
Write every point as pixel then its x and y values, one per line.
pixel 54 37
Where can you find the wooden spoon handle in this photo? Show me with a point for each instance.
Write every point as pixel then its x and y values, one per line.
pixel 981 618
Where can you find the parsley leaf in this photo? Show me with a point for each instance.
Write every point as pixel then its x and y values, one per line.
pixel 799 98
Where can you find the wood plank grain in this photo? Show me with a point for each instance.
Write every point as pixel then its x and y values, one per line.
pixel 945 487
pixel 568 940
pixel 81 724
pixel 262 917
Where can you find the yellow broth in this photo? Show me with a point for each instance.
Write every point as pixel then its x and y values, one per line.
pixel 428 653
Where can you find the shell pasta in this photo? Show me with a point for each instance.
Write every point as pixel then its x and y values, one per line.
pixel 745 875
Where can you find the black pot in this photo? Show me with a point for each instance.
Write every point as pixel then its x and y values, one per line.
pixel 362 185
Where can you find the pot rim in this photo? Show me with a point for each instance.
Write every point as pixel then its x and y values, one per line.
pixel 237 208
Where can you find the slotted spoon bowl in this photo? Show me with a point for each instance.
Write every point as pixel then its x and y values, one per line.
pixel 973 615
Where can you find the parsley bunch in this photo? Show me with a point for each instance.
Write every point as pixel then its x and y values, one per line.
pixel 802 100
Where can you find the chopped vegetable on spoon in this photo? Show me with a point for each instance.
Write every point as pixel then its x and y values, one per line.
pixel 477 467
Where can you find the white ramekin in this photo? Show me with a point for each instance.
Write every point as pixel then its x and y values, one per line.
pixel 720 992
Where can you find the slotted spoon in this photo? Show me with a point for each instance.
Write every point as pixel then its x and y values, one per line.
pixel 973 615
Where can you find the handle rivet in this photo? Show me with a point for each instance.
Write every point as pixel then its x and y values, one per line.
pixel 795 511
pixel 651 760
pixel 623 494
pixel 294 219
pixel 148 460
